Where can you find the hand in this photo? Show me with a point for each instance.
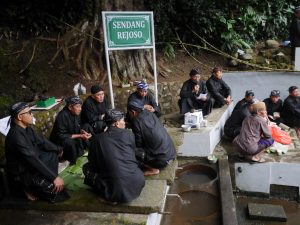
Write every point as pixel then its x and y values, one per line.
pixel 58 184
pixel 149 108
pixel 196 88
pixel 85 135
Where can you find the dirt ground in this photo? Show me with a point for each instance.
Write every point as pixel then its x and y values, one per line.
pixel 175 69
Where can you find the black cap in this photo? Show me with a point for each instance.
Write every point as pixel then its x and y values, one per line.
pixel 275 93
pixel 73 100
pixel 16 108
pixel 292 88
pixel 96 88
pixel 195 71
pixel 135 105
pixel 113 115
pixel 249 93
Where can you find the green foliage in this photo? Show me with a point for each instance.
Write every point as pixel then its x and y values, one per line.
pixel 226 24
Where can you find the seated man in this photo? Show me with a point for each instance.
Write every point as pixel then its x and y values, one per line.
pixel 194 95
pixel 67 131
pixel 155 147
pixel 274 107
pixel 93 109
pixel 291 109
pixel 249 96
pixel 233 124
pixel 220 91
pixel 32 161
pixel 255 135
pixel 145 98
pixel 112 169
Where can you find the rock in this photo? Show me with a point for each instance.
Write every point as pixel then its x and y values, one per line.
pixel 246 57
pixel 271 44
pixel 232 63
pixel 249 51
pixel 281 58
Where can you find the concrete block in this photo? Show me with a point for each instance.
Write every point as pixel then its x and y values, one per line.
pixel 266 212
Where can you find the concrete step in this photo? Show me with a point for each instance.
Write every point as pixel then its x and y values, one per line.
pixel 266 212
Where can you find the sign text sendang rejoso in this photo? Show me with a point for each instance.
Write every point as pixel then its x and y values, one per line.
pixel 129 30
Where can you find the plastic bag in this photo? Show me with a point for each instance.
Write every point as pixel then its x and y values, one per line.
pixel 280 136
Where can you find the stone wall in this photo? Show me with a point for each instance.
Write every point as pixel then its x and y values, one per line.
pixel 168 95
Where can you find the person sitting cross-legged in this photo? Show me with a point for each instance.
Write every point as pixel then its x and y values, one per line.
pixel 274 107
pixel 255 135
pixel 112 169
pixel 155 148
pixel 32 161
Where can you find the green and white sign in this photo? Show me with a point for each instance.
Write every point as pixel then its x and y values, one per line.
pixel 126 30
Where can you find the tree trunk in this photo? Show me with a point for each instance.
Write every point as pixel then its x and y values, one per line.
pixel 126 65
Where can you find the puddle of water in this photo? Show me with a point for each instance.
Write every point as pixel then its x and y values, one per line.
pixel 291 208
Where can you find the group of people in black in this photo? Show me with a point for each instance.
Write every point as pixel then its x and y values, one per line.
pixel 117 157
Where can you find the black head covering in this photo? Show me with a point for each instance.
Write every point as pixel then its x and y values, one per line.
pixel 135 105
pixel 249 93
pixel 96 88
pixel 217 68
pixel 292 88
pixel 113 115
pixel 275 93
pixel 73 100
pixel 194 72
pixel 16 108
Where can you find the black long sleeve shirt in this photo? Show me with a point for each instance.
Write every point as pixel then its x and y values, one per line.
pixel 22 149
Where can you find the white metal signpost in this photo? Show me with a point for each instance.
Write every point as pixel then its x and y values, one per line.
pixel 128 30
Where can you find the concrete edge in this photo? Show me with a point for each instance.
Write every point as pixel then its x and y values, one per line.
pixel 227 199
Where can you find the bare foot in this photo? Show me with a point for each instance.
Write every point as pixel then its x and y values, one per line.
pixel 30 196
pixel 151 171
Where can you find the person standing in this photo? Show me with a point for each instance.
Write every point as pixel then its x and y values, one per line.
pixel 194 95
pixel 32 161
pixel 67 131
pixel 220 91
pixel 295 32
pixel 112 169
pixel 93 109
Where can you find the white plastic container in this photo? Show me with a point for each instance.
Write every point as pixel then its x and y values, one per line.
pixel 193 118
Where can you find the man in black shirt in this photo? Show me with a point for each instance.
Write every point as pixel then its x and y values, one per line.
pixel 155 146
pixel 291 109
pixel 194 95
pixel 274 107
pixel 112 169
pixel 220 91
pixel 67 131
pixel 234 123
pixel 144 98
pixel 32 161
pixel 249 96
pixel 93 109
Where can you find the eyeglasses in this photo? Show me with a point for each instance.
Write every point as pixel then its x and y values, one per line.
pixel 29 112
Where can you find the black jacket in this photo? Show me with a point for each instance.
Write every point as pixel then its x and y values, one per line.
pixel 151 135
pixel 271 107
pixel 291 111
pixel 237 116
pixel 147 100
pixel 187 89
pixel 112 157
pixel 66 124
pixel 22 150
pixel 92 112
pixel 218 89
